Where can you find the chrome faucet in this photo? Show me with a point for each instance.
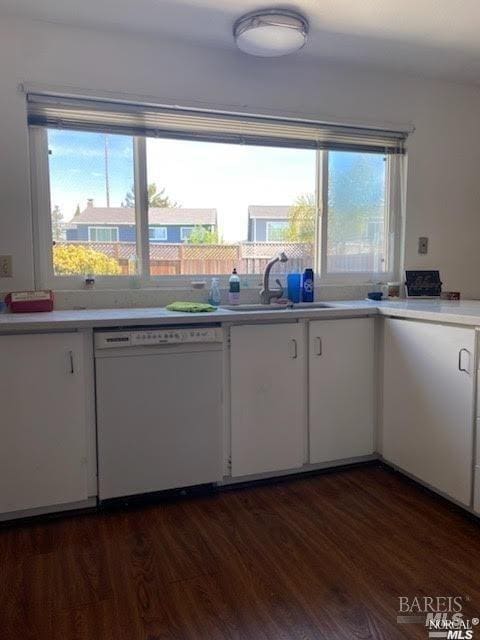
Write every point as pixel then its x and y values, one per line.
pixel 267 295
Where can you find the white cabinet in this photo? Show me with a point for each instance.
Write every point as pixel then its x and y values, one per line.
pixel 428 403
pixel 43 421
pixel 341 389
pixel 267 398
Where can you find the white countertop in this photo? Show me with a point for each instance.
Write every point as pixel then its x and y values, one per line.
pixel 464 312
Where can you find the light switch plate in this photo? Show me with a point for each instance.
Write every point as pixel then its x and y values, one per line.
pixel 6 270
pixel 423 245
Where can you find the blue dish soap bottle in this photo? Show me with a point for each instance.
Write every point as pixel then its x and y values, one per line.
pixel 234 288
pixel 307 286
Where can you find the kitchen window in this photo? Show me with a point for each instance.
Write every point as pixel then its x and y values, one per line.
pixel 356 212
pixel 128 191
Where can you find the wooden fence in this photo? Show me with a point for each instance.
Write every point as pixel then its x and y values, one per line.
pixel 246 257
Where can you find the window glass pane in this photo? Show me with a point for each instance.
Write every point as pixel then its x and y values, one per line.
pixel 186 232
pixel 277 231
pixel 227 206
pixel 91 193
pixel 356 220
pixel 103 234
pixel 157 234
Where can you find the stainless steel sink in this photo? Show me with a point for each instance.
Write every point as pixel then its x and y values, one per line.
pixel 278 307
pixel 257 307
pixel 313 305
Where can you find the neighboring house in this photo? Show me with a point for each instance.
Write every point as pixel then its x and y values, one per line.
pixel 267 223
pixel 117 224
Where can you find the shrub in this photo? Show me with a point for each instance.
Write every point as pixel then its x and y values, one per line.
pixel 70 259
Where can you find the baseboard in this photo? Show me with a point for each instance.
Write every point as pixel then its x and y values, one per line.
pixel 306 469
pixel 52 511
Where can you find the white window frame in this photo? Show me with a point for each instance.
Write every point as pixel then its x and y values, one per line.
pixel 182 231
pixel 102 228
pixel 269 225
pixel 42 227
pixel 158 228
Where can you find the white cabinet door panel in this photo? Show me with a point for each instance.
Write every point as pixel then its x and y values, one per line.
pixel 428 403
pixel 341 389
pixel 43 421
pixel 267 405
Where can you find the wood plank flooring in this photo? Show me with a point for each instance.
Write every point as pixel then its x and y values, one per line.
pixel 322 557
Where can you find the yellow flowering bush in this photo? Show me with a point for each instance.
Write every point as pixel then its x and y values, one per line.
pixel 70 259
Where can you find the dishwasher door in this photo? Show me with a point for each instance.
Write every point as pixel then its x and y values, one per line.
pixel 159 417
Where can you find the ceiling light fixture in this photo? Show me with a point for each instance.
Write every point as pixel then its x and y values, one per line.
pixel 271 32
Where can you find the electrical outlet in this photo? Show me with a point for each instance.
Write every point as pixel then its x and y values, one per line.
pixel 6 270
pixel 423 245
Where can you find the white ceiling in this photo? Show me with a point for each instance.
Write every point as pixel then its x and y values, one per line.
pixel 430 37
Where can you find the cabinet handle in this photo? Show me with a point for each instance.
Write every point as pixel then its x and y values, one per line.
pixel 293 349
pixel 317 346
pixel 460 367
pixel 72 364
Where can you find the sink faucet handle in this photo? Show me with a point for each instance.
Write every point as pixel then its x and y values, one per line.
pixel 280 285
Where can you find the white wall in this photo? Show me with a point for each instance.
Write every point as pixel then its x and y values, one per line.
pixel 444 152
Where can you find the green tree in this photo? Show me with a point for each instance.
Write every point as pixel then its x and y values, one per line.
pixel 71 259
pixel 202 235
pixel 155 198
pixel 57 228
pixel 301 220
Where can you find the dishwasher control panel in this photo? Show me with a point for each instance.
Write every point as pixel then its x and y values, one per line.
pixel 157 336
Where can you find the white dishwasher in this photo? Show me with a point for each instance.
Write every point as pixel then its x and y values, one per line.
pixel 159 408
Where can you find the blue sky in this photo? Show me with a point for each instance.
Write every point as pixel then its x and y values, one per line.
pixel 195 174
pixel 77 169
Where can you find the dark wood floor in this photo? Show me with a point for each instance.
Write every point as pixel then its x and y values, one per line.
pixel 320 557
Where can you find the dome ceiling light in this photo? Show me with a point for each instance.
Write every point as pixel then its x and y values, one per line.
pixel 270 32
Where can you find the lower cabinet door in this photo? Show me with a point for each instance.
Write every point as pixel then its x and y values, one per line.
pixel 341 389
pixel 428 403
pixel 43 418
pixel 267 398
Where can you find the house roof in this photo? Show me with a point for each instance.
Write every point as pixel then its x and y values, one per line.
pixel 268 211
pixel 163 216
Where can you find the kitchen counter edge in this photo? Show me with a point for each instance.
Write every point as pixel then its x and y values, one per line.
pixel 465 312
